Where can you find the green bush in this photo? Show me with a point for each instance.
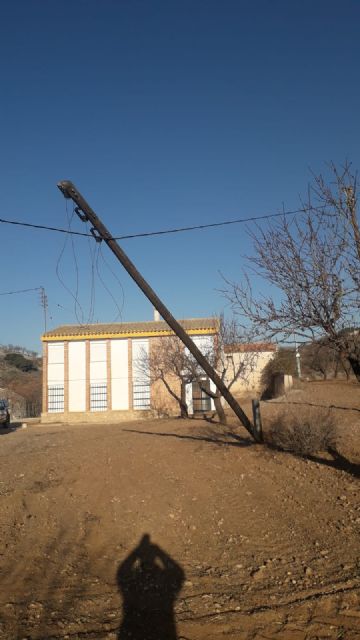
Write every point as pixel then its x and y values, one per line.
pixel 17 360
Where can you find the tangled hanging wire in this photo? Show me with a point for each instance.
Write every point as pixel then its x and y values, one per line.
pixel 95 254
pixel 119 307
pixel 78 310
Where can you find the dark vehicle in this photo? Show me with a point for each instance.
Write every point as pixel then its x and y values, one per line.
pixel 4 413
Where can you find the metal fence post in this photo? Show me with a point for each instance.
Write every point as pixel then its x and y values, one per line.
pixel 257 419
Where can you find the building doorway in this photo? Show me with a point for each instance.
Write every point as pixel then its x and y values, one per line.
pixel 201 401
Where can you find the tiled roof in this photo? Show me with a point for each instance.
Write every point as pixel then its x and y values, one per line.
pixel 249 347
pixel 120 328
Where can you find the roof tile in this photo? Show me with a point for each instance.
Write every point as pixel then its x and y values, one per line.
pixel 119 328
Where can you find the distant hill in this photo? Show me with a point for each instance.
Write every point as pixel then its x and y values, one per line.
pixel 21 380
pixel 15 348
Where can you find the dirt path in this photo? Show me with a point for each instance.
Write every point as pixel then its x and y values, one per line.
pixel 254 543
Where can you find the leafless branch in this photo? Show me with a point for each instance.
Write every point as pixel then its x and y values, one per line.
pixel 312 264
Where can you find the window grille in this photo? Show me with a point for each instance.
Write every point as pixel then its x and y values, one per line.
pixel 98 397
pixel 56 398
pixel 141 395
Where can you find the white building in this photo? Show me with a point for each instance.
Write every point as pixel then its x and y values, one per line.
pixel 91 373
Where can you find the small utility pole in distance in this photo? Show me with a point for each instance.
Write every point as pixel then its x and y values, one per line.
pixel 298 362
pixel 297 359
pixel 44 304
pixel 100 232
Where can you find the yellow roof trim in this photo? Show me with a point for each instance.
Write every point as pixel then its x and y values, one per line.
pixel 130 334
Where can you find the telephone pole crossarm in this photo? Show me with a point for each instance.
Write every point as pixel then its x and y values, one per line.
pixel 100 232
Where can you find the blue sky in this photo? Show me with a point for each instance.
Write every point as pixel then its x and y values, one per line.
pixel 164 114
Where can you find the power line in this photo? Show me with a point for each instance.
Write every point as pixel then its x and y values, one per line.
pixel 210 225
pixel 43 298
pixel 40 226
pixel 10 293
pixel 197 227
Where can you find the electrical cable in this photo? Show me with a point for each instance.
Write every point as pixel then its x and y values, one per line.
pixel 61 307
pixel 77 304
pixel 10 293
pixel 116 277
pixel 76 300
pixel 163 231
pixel 94 252
pixel 120 309
pixel 43 227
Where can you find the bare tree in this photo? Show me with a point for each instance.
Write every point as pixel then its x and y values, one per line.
pixel 231 361
pixel 319 357
pixel 169 362
pixel 342 364
pixel 313 261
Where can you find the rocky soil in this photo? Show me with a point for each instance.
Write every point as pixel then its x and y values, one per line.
pixel 241 541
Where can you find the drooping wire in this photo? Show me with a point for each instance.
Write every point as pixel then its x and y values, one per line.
pixel 76 299
pixel 77 304
pixel 119 307
pixel 116 277
pixel 63 308
pixel 93 252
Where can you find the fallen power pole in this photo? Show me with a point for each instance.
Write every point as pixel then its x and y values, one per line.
pixel 100 233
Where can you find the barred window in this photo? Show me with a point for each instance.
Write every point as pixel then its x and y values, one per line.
pixel 56 398
pixel 98 397
pixel 141 395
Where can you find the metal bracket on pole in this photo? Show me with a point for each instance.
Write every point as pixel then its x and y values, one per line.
pixel 69 190
pixel 96 235
pixel 83 217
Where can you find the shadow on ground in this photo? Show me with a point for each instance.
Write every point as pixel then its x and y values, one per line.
pixel 310 404
pixel 14 426
pixel 149 581
pixel 212 439
pixel 338 462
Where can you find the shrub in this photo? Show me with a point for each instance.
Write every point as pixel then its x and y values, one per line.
pixel 17 360
pixel 305 433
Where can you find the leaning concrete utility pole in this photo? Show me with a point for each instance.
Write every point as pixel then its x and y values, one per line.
pixel 100 233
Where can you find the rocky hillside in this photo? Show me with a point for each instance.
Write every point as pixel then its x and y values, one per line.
pixel 20 381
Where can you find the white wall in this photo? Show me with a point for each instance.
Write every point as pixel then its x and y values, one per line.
pixel 189 398
pixel 204 343
pixel 55 363
pixel 255 363
pixel 77 376
pixel 98 370
pixel 140 347
pixel 141 381
pixel 119 374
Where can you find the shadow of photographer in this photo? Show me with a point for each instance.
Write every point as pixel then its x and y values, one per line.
pixel 149 581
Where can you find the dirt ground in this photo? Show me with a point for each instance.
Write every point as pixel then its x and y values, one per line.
pixel 171 529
